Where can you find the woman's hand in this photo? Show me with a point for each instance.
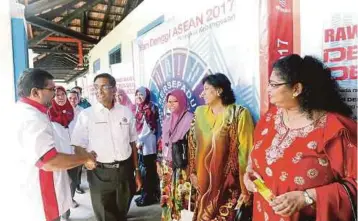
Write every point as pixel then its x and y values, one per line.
pixel 249 176
pixel 288 203
pixel 245 199
pixel 194 180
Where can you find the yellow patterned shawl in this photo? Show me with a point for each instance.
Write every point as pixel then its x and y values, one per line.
pixel 219 147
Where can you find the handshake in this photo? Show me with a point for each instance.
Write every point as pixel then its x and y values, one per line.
pixel 90 164
pixel 88 158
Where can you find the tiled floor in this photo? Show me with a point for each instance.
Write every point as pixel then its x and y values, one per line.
pixel 85 213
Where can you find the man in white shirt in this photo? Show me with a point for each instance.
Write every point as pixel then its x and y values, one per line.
pixel 74 99
pixel 109 130
pixel 39 169
pixel 75 173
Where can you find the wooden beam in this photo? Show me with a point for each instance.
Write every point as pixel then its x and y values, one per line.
pixel 65 21
pixel 47 50
pixel 50 15
pixel 40 22
pixel 30 34
pixel 103 12
pixel 128 8
pixel 84 22
pixel 43 5
pixel 105 20
pixel 78 74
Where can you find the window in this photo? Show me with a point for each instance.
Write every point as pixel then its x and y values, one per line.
pixel 96 65
pixel 115 55
pixel 151 25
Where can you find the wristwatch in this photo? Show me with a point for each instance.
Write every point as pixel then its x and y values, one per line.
pixel 308 200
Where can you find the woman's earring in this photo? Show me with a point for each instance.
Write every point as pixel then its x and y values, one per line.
pixel 294 95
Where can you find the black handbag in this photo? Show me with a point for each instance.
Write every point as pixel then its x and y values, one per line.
pixel 179 154
pixel 351 197
pixel 244 213
pixel 351 200
pixel 180 150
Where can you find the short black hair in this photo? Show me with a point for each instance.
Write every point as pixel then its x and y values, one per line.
pixel 74 92
pixel 320 89
pixel 77 87
pixel 32 78
pixel 220 80
pixel 110 78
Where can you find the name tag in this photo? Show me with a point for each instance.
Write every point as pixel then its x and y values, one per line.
pixel 101 122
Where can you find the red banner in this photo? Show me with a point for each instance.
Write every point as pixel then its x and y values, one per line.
pixel 276 40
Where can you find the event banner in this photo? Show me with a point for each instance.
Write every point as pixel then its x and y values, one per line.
pixel 340 53
pixel 123 73
pixel 207 37
pixel 276 39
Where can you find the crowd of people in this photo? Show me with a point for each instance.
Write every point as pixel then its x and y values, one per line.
pixel 298 163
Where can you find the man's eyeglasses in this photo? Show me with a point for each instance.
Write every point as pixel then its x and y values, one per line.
pixel 275 85
pixel 103 87
pixel 53 89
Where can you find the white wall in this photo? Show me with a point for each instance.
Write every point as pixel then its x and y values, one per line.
pixel 7 90
pixel 7 98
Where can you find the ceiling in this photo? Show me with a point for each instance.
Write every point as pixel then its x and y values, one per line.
pixel 62 32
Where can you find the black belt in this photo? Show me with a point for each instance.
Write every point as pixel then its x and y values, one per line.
pixel 113 165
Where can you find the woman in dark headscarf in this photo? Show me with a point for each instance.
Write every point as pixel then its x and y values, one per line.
pixel 174 182
pixel 146 124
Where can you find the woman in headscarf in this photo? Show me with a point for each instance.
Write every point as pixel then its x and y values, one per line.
pixel 61 114
pixel 122 98
pixel 174 182
pixel 146 124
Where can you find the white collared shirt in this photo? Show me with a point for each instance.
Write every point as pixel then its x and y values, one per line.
pixel 107 132
pixel 148 140
pixel 77 111
pixel 35 141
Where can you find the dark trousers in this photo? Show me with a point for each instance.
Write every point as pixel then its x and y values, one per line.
pixel 150 176
pixel 75 178
pixel 111 191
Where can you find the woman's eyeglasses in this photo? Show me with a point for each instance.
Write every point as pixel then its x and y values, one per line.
pixel 275 85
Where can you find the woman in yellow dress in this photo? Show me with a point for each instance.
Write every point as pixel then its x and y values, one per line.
pixel 220 140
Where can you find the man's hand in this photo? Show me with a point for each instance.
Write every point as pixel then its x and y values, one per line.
pixel 91 161
pixel 138 180
pixel 139 146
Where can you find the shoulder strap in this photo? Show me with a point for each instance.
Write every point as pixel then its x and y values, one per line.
pixel 176 125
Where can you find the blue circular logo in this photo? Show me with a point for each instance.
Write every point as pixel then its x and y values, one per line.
pixel 178 68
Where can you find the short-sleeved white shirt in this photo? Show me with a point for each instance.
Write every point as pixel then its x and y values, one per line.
pixel 43 194
pixel 77 111
pixel 107 132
